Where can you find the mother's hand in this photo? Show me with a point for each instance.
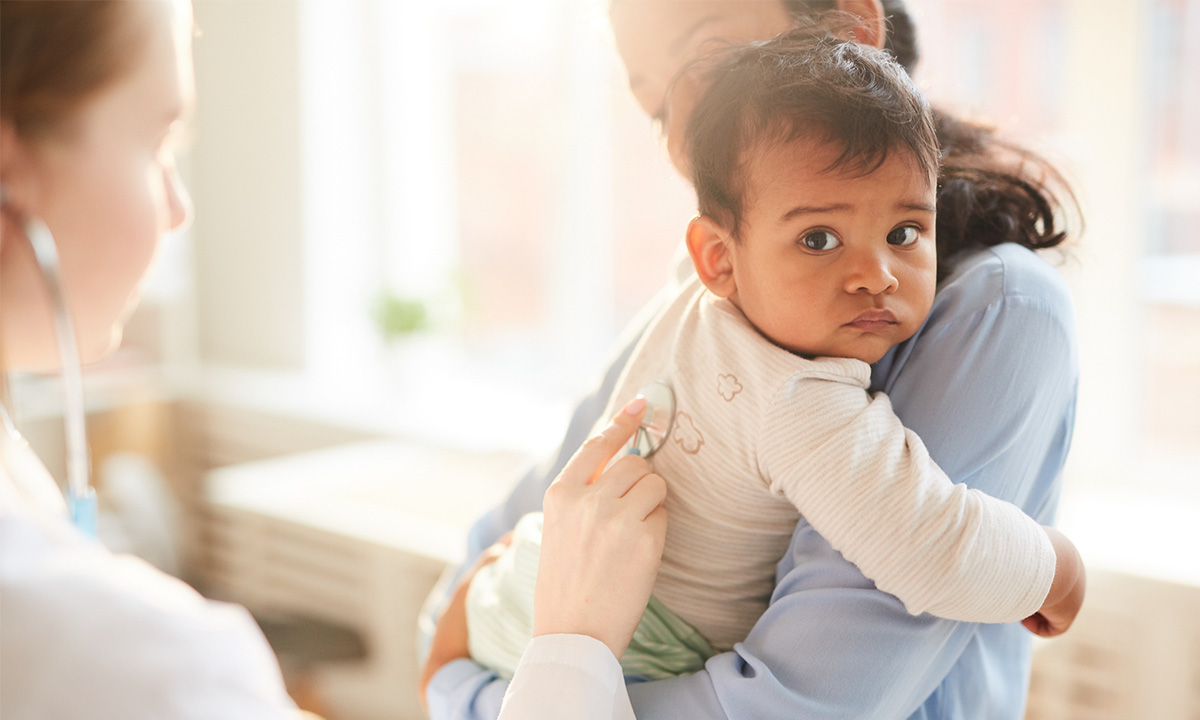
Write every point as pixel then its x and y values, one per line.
pixel 602 539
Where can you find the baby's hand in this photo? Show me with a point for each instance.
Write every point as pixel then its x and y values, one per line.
pixel 1066 592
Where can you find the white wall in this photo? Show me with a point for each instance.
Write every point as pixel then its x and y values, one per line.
pixel 246 185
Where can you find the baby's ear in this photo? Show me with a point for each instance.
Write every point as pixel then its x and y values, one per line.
pixel 709 245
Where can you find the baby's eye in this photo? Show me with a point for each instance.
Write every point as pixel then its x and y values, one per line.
pixel 906 235
pixel 820 240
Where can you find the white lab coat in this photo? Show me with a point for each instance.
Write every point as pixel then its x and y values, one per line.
pixel 88 634
pixel 567 676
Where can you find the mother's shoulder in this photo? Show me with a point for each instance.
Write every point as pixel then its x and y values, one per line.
pixel 993 276
pixel 1001 308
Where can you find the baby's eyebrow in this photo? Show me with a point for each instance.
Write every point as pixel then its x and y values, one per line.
pixel 814 209
pixel 916 206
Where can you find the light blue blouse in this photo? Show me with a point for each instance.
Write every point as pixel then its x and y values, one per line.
pixel 989 383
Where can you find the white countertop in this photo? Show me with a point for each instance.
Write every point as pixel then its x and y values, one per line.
pixel 412 497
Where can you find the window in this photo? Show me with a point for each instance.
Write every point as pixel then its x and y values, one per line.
pixel 485 158
pixel 1111 94
pixel 1171 167
pixel 490 164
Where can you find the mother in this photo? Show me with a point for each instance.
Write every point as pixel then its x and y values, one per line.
pixel 989 383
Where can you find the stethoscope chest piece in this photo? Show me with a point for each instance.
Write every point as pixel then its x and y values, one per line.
pixel 658 420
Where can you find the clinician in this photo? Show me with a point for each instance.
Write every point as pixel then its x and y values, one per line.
pixel 92 93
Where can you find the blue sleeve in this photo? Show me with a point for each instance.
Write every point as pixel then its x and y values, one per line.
pixel 989 383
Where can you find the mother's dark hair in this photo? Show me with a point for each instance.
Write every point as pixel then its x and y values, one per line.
pixel 990 191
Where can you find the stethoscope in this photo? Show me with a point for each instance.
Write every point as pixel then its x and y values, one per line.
pixel 656 424
pixel 80 495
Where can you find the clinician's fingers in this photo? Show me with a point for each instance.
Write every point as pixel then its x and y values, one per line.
pixel 587 464
pixel 621 475
pixel 646 495
pixel 657 522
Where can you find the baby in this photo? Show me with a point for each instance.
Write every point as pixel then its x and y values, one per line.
pixel 815 165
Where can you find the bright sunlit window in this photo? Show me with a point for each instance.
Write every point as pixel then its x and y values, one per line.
pixel 1110 93
pixel 484 208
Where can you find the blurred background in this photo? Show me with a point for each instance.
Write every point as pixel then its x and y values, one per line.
pixel 420 227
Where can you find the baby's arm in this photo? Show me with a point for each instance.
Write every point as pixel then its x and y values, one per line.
pixel 868 485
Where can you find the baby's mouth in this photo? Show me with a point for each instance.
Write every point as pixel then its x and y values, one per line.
pixel 874 320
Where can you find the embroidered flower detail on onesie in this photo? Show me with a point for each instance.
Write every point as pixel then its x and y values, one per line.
pixel 728 386
pixel 686 434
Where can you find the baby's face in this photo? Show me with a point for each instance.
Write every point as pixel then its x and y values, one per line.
pixel 830 263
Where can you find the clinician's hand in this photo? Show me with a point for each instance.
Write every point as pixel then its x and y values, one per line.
pixel 602 539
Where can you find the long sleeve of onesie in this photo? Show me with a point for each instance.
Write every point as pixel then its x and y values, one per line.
pixel 868 485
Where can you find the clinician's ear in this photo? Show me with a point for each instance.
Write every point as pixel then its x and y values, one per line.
pixel 11 169
pixel 709 245
pixel 10 148
pixel 16 171
pixel 872 26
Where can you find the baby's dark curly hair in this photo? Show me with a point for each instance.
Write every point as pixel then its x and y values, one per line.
pixel 802 85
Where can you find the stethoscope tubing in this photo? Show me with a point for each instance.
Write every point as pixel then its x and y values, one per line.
pixel 81 497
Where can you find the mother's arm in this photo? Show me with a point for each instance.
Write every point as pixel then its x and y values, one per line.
pixel 989 385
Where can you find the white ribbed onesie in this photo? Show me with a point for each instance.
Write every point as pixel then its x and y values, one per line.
pixel 763 436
